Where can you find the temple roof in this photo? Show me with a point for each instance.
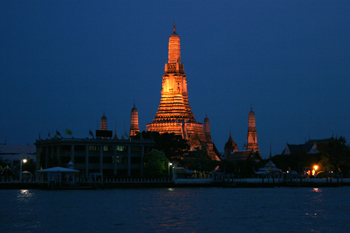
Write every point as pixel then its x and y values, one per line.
pixel 243 155
pixel 230 142
pixel 303 148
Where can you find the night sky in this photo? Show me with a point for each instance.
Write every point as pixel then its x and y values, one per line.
pixel 62 63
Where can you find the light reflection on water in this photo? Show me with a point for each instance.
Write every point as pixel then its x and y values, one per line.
pixel 177 209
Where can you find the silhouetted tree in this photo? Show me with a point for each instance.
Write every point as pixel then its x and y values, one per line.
pixel 173 146
pixel 199 160
pixel 156 164
pixel 335 154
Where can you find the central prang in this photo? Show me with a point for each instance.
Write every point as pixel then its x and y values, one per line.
pixel 174 112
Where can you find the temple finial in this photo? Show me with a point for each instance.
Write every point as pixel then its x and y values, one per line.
pixel 251 107
pixel 174 29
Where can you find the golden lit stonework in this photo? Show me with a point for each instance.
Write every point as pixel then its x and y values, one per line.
pixel 252 138
pixel 174 112
pixel 134 125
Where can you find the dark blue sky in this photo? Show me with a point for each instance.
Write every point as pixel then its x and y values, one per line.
pixel 62 63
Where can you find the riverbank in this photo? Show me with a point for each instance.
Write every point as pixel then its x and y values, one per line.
pixel 166 183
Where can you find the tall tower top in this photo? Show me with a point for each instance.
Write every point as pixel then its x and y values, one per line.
pixel 174 52
pixel 134 126
pixel 252 139
pixel 251 118
pixel 206 128
pixel 103 125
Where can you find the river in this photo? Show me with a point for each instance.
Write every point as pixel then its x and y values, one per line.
pixel 177 210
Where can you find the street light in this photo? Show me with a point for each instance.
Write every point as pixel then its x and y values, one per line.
pixel 169 165
pixel 314 170
pixel 20 170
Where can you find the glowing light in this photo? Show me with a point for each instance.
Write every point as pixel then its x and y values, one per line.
pixel 24 160
pixel 24 191
pixel 315 167
pixel 171 164
pixel 317 190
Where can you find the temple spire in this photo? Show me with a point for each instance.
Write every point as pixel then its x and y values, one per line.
pixel 115 131
pixel 174 113
pixel 252 139
pixel 103 125
pixel 174 49
pixel 134 121
pixel 174 107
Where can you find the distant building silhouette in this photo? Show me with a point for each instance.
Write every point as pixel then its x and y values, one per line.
pixel 230 148
pixel 109 156
pixel 309 147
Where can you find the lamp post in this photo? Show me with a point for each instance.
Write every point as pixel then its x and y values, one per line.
pixel 316 167
pixel 169 165
pixel 20 170
pixel 315 170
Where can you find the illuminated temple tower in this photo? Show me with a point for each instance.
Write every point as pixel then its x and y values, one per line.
pixel 209 145
pixel 103 125
pixel 252 139
pixel 174 112
pixel 134 124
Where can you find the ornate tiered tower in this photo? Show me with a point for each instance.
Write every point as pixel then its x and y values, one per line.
pixel 174 112
pixel 206 128
pixel 134 125
pixel 252 139
pixel 208 144
pixel 103 125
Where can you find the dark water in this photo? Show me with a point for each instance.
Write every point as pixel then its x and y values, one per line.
pixel 177 210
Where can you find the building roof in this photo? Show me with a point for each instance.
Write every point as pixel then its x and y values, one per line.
pixel 58 169
pixel 230 143
pixel 269 167
pixel 307 147
pixel 245 154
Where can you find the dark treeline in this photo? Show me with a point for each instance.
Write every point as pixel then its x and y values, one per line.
pixel 333 156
